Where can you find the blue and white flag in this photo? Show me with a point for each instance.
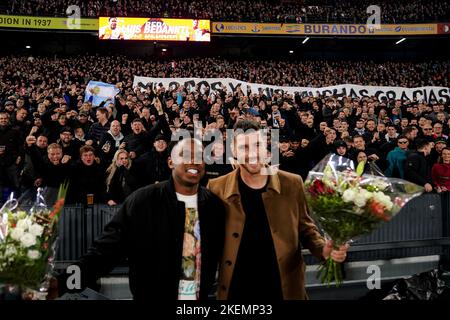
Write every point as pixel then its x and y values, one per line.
pixel 97 92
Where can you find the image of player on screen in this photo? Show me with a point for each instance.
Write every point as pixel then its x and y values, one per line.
pixel 199 34
pixel 111 31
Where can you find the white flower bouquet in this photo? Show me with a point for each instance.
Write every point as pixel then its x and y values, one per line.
pixel 27 242
pixel 346 203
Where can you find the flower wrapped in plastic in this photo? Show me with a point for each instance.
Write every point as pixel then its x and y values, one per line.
pixel 27 242
pixel 345 203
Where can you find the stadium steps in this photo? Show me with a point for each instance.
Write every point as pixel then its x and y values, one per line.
pixel 354 288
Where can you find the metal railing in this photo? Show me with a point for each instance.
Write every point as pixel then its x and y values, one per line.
pixel 420 229
pixel 79 226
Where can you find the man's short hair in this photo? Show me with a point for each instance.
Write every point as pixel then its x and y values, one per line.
pixel 340 143
pixel 348 139
pixel 409 130
pixel 421 143
pixel 103 111
pixel 160 137
pixel 53 146
pixel 358 136
pixel 66 129
pixel 85 149
pixel 247 125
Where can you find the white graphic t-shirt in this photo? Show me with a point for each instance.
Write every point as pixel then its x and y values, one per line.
pixel 189 286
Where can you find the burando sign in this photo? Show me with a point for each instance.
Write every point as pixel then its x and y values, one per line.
pixel 323 29
pixel 218 28
pixel 210 85
pixel 48 23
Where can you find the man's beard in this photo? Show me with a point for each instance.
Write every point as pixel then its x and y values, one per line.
pixel 252 168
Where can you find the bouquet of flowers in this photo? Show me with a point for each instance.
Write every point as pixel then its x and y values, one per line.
pixel 345 203
pixel 27 242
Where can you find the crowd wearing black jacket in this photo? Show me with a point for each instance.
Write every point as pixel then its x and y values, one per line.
pixel 347 11
pixel 141 121
pixel 10 151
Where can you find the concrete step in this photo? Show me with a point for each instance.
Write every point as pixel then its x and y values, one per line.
pixel 354 287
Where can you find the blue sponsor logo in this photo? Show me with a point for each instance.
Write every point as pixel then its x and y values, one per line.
pixel 271 28
pixel 398 28
pixel 292 29
pixel 220 27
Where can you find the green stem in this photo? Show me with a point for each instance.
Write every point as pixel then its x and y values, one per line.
pixel 330 271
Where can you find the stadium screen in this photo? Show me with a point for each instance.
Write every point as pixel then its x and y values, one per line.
pixel 162 29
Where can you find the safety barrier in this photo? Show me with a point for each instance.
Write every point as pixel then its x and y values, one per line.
pixel 420 229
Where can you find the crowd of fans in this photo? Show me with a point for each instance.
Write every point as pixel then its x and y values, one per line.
pixel 48 133
pixel 320 73
pixel 308 11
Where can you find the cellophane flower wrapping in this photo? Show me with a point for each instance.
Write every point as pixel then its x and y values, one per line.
pixel 345 203
pixel 28 242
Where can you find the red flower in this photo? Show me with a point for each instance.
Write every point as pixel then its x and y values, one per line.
pixel 377 210
pixel 329 190
pixel 319 188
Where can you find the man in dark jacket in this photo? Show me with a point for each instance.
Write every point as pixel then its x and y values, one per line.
pixel 10 151
pixel 52 170
pixel 29 173
pixel 152 166
pixel 288 158
pixel 87 180
pixel 111 141
pixel 70 147
pixel 53 121
pixel 167 232
pixel 99 128
pixel 321 145
pixel 417 169
pixel 360 145
pixel 139 141
pixel 19 121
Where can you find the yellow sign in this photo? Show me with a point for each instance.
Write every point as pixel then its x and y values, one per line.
pixel 116 28
pixel 199 30
pixel 319 29
pixel 27 22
